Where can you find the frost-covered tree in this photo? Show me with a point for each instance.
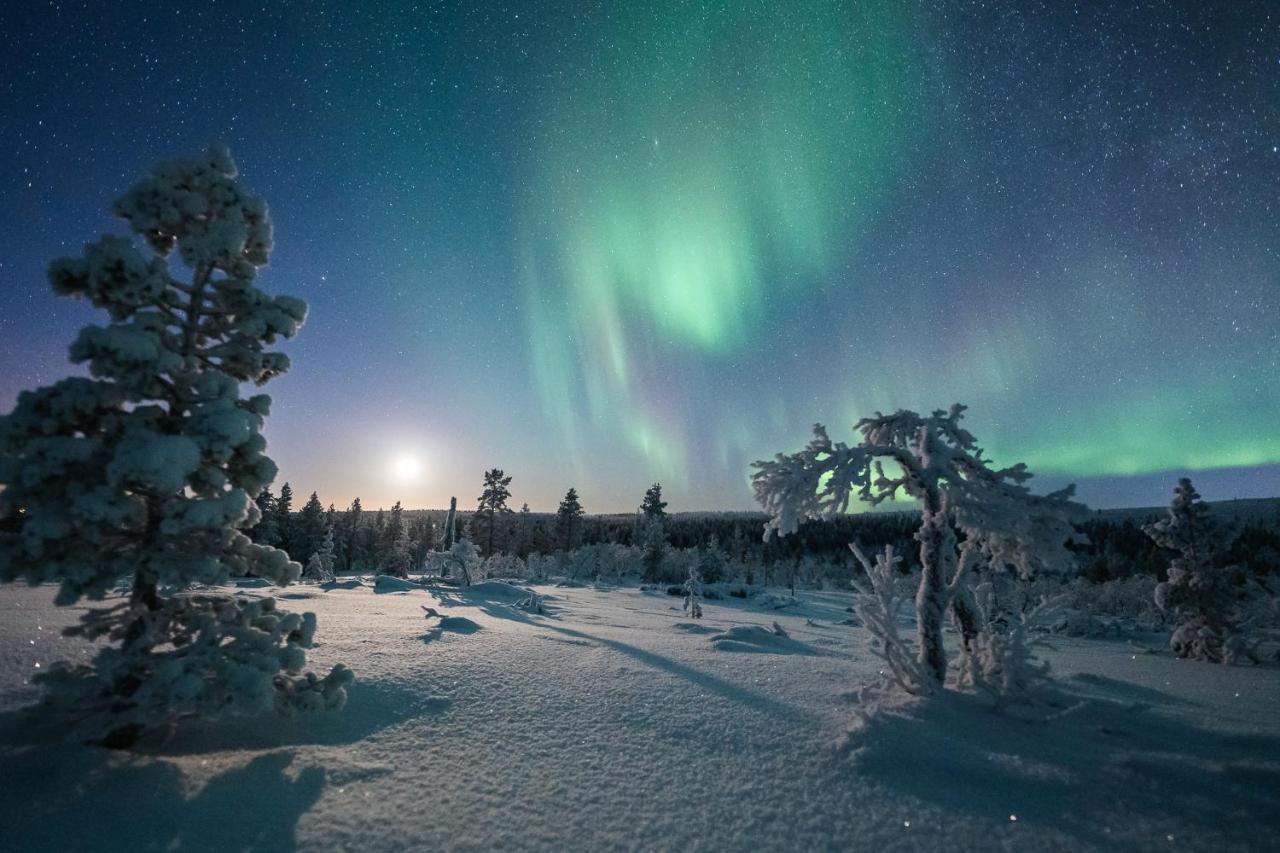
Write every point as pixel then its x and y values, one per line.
pixel 653 506
pixel 567 518
pixel 934 460
pixel 1198 590
pixel 693 592
pixel 319 568
pixel 144 471
pixel 493 501
pixel 464 557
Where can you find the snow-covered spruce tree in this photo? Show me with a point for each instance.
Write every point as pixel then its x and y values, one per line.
pixel 693 592
pixel 934 460
pixel 319 567
pixel 1200 592
pixel 145 471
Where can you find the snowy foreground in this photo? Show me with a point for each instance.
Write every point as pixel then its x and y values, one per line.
pixel 613 722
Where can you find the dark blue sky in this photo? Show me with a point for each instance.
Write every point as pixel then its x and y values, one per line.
pixel 604 246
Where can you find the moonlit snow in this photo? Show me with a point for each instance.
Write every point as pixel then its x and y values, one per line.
pixel 612 721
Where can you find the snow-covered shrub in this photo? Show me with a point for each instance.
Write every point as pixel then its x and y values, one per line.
pixel 877 607
pixel 145 471
pixel 501 565
pixel 1002 660
pixel 1202 594
pixel 937 462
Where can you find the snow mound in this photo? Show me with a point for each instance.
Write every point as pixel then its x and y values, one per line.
pixel 494 591
pixel 387 583
pixel 695 628
pixel 353 583
pixel 769 601
pixel 458 625
pixel 753 638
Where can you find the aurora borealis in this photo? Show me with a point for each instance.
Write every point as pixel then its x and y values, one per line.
pixel 605 244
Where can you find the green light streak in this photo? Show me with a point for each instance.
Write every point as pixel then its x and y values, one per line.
pixel 716 163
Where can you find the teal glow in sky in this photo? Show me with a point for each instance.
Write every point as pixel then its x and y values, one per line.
pixel 600 245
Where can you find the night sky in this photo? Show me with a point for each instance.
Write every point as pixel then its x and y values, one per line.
pixel 602 244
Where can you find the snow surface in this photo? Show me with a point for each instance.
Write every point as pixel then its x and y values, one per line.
pixel 614 722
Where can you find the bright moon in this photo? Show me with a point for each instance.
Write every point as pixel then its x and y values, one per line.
pixel 405 467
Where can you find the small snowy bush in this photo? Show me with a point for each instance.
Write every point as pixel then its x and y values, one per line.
pixel 145 471
pixel 877 607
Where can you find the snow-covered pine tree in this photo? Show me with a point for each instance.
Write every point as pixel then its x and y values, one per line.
pixel 493 502
pixel 567 518
pixel 144 472
pixel 936 461
pixel 693 592
pixel 1197 589
pixel 319 568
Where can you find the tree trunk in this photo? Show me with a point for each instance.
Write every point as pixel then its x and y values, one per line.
pixel 931 599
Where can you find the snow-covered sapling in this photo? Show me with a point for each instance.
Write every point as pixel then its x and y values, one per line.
pixel 693 593
pixel 878 606
pixel 1200 592
pixel 145 470
pixel 319 568
pixel 934 460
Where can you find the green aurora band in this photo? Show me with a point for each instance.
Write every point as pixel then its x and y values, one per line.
pixel 719 170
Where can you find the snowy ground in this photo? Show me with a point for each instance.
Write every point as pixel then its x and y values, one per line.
pixel 614 722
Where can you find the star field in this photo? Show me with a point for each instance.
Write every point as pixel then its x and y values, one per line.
pixel 606 244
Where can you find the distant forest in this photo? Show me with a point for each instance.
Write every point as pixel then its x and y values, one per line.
pixel 1112 544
